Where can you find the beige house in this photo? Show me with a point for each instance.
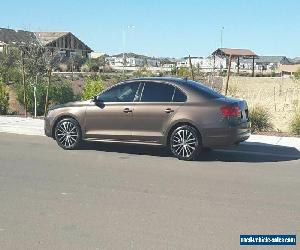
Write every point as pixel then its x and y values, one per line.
pixel 289 69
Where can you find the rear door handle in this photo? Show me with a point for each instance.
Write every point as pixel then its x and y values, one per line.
pixel 127 110
pixel 169 110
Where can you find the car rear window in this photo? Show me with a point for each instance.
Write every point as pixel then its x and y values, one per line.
pixel 203 90
pixel 179 96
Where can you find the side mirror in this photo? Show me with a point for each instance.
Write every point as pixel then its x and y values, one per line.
pixel 95 98
pixel 98 102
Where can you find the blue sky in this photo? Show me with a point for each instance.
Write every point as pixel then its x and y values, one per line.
pixel 165 27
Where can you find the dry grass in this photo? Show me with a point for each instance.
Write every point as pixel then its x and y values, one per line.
pixel 281 96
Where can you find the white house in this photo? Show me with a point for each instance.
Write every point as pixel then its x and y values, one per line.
pixel 132 60
pixel 96 55
pixel 205 64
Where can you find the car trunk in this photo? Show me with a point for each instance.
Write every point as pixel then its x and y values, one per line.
pixel 241 114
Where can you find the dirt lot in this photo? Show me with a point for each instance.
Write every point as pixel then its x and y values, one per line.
pixel 281 96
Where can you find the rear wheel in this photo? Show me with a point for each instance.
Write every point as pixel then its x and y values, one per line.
pixel 68 133
pixel 185 143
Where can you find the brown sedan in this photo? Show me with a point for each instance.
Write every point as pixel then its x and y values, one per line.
pixel 180 114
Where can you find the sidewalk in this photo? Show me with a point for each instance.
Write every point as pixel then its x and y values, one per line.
pixel 22 125
pixel 31 126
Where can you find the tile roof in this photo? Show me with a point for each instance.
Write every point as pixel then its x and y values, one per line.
pixel 234 52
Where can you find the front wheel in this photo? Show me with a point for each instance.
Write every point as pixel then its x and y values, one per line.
pixel 68 133
pixel 185 143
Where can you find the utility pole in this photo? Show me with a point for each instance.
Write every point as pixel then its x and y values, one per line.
pixel 124 44
pixel 191 68
pixel 222 29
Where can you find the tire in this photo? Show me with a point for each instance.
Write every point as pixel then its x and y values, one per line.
pixel 185 143
pixel 68 133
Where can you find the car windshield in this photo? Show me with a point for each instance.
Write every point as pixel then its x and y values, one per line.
pixel 203 90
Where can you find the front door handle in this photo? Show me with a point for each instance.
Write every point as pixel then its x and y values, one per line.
pixel 127 110
pixel 169 110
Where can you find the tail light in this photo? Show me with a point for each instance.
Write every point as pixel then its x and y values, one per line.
pixel 230 111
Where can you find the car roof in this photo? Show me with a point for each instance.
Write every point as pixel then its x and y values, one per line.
pixel 178 81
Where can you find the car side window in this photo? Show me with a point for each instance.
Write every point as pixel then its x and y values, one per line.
pixel 120 93
pixel 179 96
pixel 157 92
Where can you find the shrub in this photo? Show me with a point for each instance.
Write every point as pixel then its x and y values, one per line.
pixel 184 72
pixel 4 98
pixel 85 68
pixel 142 72
pixel 233 90
pixel 260 119
pixel 93 86
pixel 295 124
pixel 60 92
pixel 63 67
pixel 297 74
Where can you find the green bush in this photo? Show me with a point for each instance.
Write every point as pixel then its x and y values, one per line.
pixel 60 92
pixel 4 98
pixel 297 74
pixel 184 72
pixel 260 119
pixel 295 124
pixel 93 86
pixel 143 72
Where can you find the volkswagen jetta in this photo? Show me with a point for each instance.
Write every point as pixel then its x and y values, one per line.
pixel 180 114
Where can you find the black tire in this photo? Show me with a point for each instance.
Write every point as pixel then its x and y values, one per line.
pixel 68 133
pixel 185 143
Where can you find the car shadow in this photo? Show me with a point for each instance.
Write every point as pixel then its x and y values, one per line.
pixel 245 152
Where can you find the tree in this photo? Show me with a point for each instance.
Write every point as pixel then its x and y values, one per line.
pixel 32 65
pixel 59 93
pixel 50 59
pixel 9 70
pixel 93 86
pixel 94 64
pixel 4 98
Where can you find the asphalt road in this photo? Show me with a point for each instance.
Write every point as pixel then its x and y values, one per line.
pixel 135 197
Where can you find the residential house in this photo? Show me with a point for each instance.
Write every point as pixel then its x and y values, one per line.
pixel 296 60
pixel 67 43
pixel 132 60
pixel 167 63
pixel 268 63
pixel 289 69
pixel 182 63
pixel 96 55
pixel 205 64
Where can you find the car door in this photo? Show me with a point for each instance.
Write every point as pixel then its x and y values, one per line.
pixel 154 111
pixel 110 117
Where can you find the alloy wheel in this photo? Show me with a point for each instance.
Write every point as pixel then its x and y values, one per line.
pixel 67 134
pixel 184 143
